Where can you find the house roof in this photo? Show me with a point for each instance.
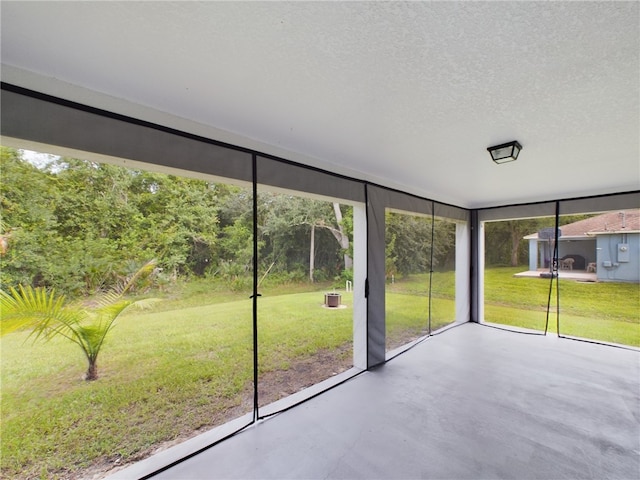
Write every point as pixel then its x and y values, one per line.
pixel 622 221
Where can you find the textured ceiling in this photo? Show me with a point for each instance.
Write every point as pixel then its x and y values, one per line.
pixel 407 95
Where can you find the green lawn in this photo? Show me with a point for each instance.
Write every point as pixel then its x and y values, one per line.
pixel 407 307
pixel 602 311
pixel 187 364
pixel 162 374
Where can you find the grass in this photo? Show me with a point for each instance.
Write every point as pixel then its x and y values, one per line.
pixel 602 311
pixel 187 364
pixel 602 329
pixel 407 306
pixel 163 374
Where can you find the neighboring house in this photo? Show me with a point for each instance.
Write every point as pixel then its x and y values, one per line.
pixel 607 244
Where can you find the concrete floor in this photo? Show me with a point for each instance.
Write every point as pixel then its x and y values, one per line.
pixel 471 403
pixel 580 275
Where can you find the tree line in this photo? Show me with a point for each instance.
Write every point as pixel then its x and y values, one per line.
pixel 81 227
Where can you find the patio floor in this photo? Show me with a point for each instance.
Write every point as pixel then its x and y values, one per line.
pixel 580 275
pixel 471 403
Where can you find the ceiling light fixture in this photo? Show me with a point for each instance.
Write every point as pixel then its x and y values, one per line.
pixel 507 152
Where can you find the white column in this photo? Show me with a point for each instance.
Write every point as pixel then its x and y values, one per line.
pixel 480 273
pixel 533 254
pixel 359 277
pixel 463 262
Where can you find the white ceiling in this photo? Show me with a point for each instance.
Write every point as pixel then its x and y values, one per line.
pixel 405 94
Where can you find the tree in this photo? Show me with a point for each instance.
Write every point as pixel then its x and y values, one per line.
pixel 178 221
pixel 504 240
pixel 233 255
pixel 341 236
pixel 49 315
pixel 301 231
pixel 338 231
pixel 99 218
pixel 417 244
pixel 408 243
pixel 28 197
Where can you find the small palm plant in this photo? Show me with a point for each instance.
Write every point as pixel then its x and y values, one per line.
pixel 48 315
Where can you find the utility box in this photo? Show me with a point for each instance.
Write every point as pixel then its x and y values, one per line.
pixel 623 252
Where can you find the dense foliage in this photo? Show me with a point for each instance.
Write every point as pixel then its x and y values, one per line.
pixel 80 227
pixel 416 244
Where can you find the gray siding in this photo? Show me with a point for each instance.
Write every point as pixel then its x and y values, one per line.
pixel 608 251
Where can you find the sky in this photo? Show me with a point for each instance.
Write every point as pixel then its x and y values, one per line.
pixel 38 159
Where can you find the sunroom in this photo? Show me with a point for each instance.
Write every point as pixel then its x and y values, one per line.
pixel 271 157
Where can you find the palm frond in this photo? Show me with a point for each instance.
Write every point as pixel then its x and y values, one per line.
pixel 113 309
pixel 144 303
pixel 48 315
pixel 108 298
pixel 35 308
pixel 92 337
pixel 130 281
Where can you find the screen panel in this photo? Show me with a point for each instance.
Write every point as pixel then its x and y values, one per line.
pixel 444 282
pixel 310 292
pixel 599 275
pixel 103 234
pixel 408 264
pixel 519 271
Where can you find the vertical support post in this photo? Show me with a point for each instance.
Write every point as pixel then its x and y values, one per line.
pixel 476 268
pixel 254 297
pixel 463 272
pixel 533 255
pixel 376 330
pixel 358 287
